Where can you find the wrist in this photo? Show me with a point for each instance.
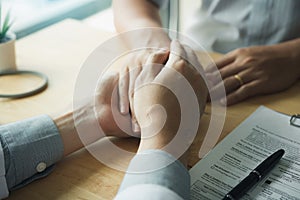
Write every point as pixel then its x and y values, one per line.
pixel 67 124
pixel 154 139
pixel 68 133
pixel 159 144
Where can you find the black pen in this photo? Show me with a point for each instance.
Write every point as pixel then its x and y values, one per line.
pixel 255 176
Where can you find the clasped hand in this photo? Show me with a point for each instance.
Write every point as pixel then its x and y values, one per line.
pixel 138 92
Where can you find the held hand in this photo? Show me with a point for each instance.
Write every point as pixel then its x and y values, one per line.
pixel 128 75
pixel 151 98
pixel 107 108
pixel 254 71
pixel 84 119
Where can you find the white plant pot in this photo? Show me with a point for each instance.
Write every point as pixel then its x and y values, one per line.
pixel 7 54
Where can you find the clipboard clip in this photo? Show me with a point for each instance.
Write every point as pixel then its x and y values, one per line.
pixel 294 119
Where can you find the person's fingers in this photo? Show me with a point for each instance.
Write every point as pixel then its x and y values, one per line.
pixel 232 83
pixel 194 64
pixel 134 123
pixel 199 80
pixel 153 66
pixel 219 64
pixel 214 78
pixel 177 53
pixel 241 79
pixel 176 59
pixel 133 74
pixel 123 91
pixel 215 75
pixel 230 70
pixel 182 59
pixel 160 57
pixel 244 92
pixel 192 58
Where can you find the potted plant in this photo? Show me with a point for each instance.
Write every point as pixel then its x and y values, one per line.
pixel 7 44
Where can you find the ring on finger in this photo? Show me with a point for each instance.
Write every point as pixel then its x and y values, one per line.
pixel 239 79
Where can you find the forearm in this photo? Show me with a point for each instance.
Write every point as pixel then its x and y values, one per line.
pixel 136 14
pixel 67 129
pixel 133 14
pixel 68 133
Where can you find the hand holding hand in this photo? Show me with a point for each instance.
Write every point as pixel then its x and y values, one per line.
pixel 128 75
pixel 77 128
pixel 153 101
pixel 109 117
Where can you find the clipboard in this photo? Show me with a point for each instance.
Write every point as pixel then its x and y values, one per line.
pixel 295 120
pixel 262 133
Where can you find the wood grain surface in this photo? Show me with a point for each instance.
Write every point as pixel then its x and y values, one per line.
pixel 58 51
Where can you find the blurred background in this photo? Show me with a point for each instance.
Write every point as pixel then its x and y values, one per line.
pixel 32 15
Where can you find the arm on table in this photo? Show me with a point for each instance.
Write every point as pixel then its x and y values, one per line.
pixel 159 171
pixel 31 147
pixel 135 14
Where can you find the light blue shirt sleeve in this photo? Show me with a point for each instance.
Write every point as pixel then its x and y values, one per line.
pixel 163 177
pixel 3 186
pixel 30 149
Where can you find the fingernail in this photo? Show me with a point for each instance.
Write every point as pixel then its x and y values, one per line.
pixel 136 127
pixel 122 109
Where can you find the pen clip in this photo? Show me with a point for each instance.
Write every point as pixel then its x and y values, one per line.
pixel 294 119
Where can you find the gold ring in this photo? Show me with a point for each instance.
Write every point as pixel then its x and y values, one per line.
pixel 240 80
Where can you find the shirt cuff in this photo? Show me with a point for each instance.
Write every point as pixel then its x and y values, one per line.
pixel 3 189
pixel 157 167
pixel 31 147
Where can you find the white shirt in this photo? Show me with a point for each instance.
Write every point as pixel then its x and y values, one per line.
pixel 155 174
pixel 224 25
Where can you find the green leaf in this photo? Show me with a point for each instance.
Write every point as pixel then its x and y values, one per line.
pixel 0 16
pixel 6 26
pixel 5 30
pixel 6 21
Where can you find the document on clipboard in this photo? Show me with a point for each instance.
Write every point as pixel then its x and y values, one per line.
pixel 261 134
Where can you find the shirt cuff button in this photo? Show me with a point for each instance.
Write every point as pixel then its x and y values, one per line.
pixel 41 167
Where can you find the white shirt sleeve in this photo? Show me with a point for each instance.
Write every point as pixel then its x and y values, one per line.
pixel 155 174
pixel 3 185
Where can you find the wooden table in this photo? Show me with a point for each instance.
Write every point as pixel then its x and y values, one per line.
pixel 59 51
